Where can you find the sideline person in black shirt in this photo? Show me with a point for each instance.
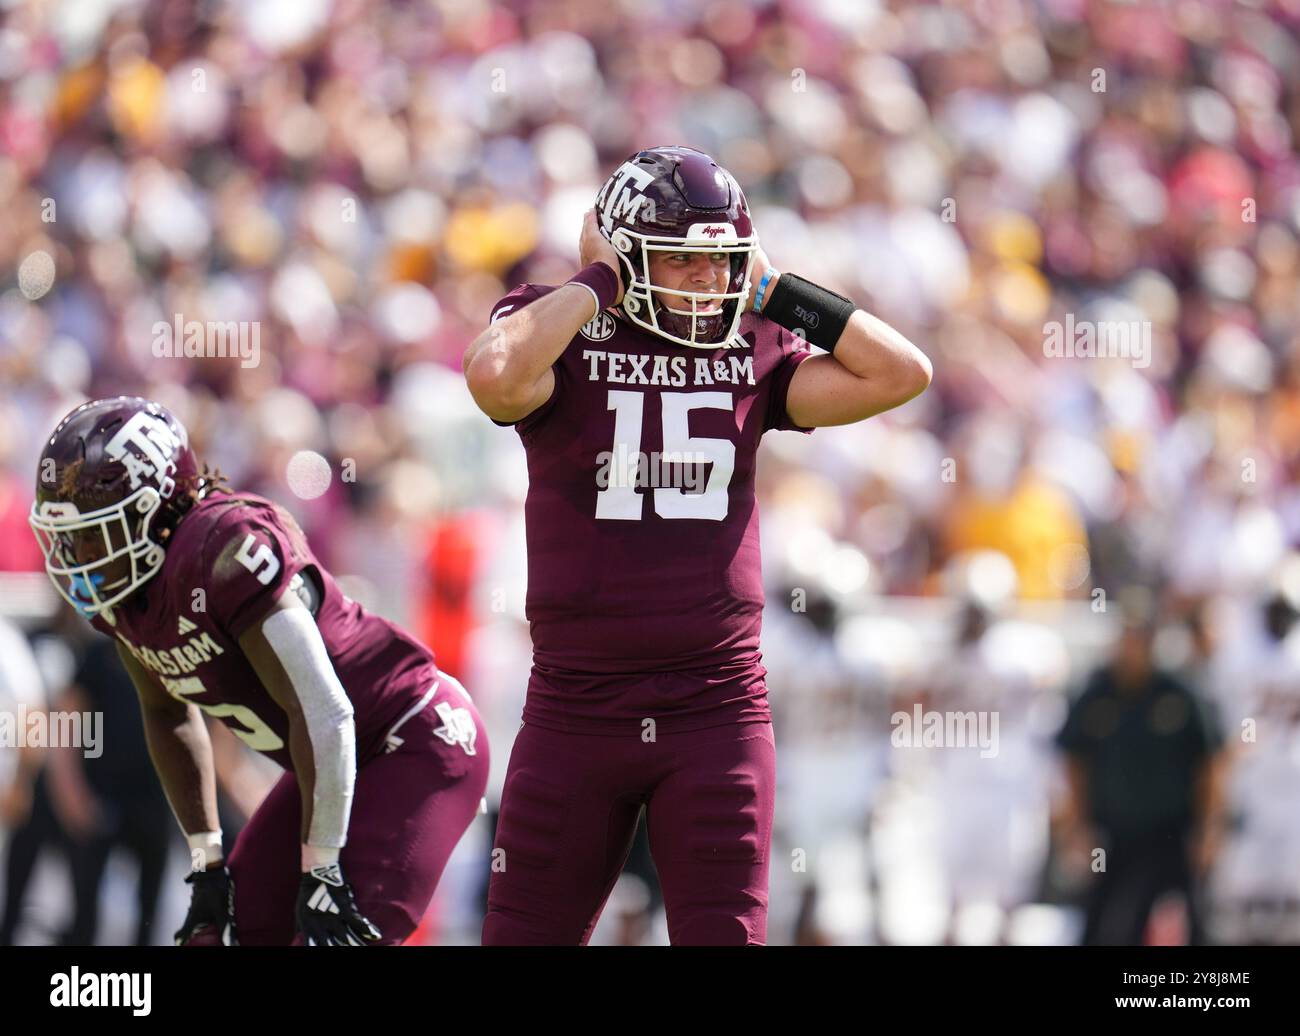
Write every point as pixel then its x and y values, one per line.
pixel 1145 766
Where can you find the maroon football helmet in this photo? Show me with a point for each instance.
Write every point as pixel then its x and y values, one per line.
pixel 677 199
pixel 114 474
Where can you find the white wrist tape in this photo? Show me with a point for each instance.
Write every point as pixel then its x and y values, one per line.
pixel 318 856
pixel 205 849
pixel 297 643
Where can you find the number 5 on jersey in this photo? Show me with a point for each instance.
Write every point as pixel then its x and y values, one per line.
pixel 255 560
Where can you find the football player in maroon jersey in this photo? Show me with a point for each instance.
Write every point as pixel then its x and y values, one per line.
pixel 640 390
pixel 218 606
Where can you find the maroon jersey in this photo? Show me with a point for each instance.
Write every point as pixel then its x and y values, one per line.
pixel 645 589
pixel 227 563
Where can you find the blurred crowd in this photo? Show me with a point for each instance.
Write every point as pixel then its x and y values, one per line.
pixel 364 180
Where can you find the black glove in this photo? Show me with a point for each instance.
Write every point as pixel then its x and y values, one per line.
pixel 211 918
pixel 327 913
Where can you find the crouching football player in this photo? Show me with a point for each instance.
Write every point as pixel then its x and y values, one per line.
pixel 218 605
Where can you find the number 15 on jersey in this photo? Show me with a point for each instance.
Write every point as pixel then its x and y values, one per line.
pixel 620 501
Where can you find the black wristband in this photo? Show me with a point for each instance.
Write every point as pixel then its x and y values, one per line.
pixel 816 313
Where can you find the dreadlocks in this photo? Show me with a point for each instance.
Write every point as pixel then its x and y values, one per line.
pixel 211 480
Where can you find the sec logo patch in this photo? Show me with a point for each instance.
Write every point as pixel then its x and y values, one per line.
pixel 599 327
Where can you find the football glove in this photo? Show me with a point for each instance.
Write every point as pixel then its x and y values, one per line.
pixel 211 918
pixel 327 912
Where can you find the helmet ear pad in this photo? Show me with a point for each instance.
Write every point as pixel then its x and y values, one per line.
pixel 624 246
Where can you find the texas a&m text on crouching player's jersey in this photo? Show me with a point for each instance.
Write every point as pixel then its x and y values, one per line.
pixel 219 607
pixel 640 390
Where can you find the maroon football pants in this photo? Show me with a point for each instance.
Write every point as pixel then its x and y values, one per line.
pixel 568 816
pixel 410 807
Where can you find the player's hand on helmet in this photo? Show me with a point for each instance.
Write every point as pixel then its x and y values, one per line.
pixel 327 911
pixel 211 917
pixel 594 248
